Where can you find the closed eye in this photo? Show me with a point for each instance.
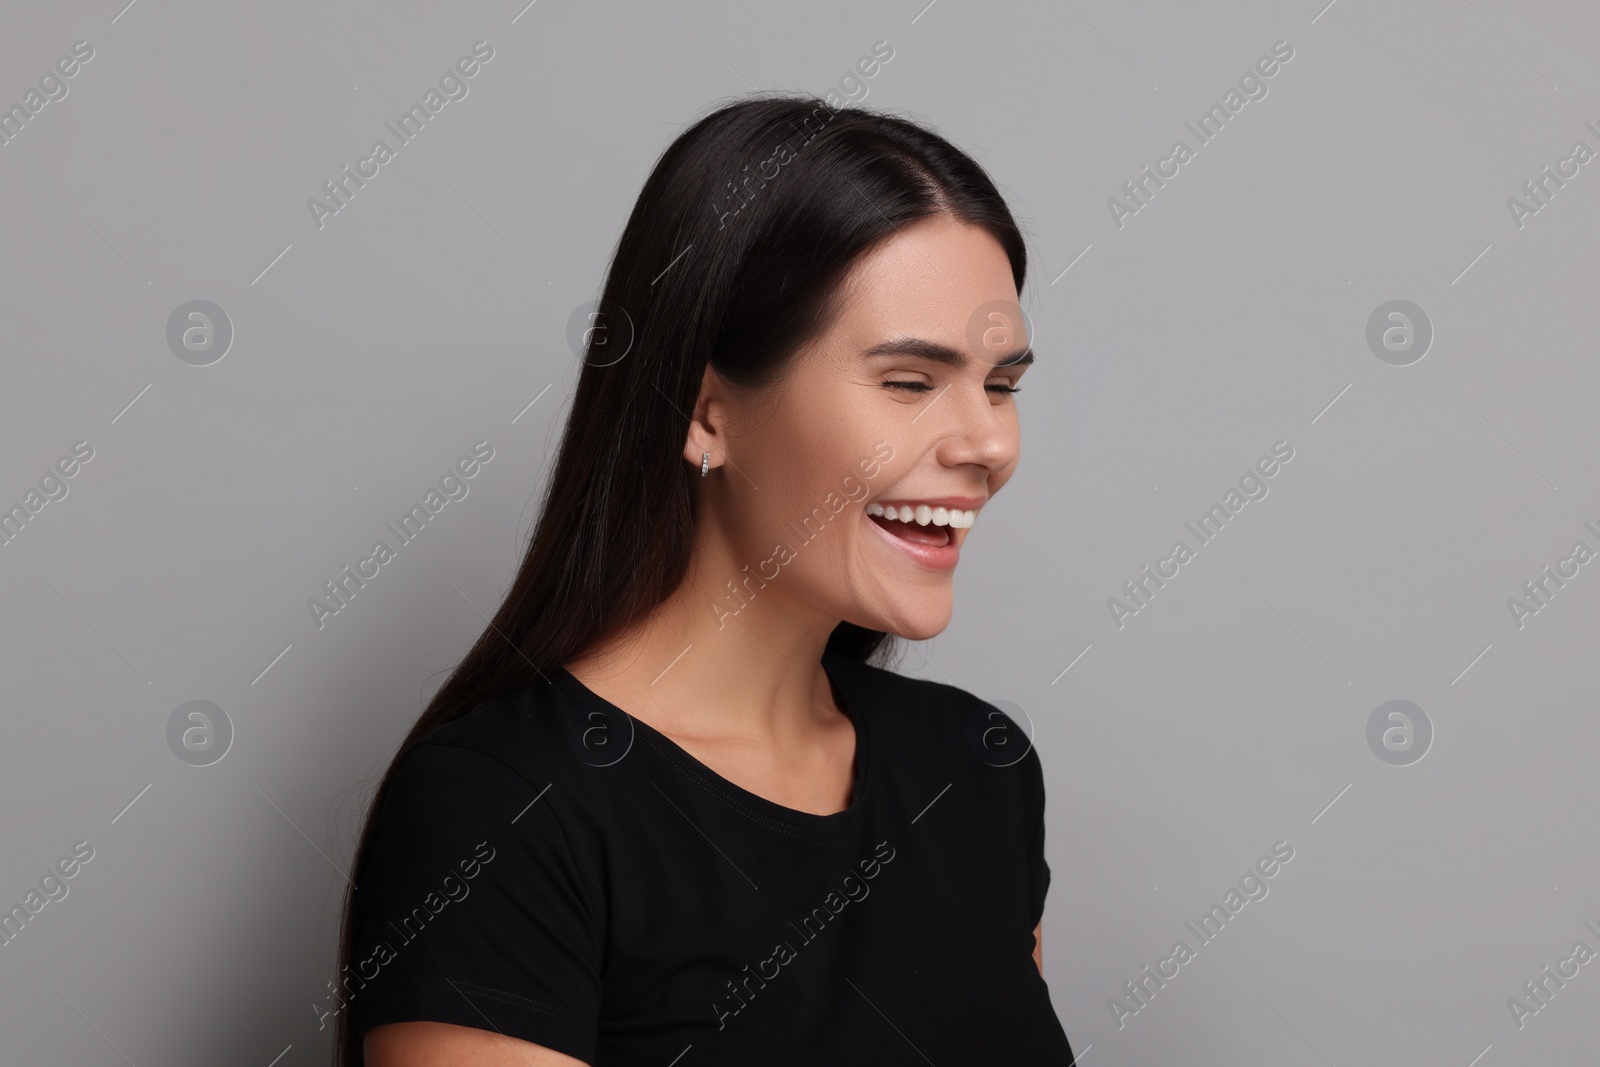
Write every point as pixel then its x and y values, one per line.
pixel 924 387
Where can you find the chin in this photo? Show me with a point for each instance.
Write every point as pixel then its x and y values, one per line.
pixel 919 623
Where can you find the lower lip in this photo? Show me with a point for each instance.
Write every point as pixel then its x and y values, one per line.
pixel 933 557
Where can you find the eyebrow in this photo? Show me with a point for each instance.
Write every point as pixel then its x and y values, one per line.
pixel 931 350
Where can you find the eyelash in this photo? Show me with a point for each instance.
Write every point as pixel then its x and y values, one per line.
pixel 923 387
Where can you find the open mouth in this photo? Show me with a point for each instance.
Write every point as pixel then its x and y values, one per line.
pixel 918 535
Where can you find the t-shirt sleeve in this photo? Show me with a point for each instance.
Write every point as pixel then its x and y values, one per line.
pixel 1038 868
pixel 470 909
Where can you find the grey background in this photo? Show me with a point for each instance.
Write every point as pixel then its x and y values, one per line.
pixel 1228 314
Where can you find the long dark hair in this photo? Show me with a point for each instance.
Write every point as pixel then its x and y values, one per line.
pixel 731 257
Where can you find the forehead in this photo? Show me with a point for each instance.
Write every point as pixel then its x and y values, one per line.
pixel 927 279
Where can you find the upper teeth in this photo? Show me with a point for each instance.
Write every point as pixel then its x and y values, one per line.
pixel 922 514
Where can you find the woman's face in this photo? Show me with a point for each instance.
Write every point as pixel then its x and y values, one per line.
pixel 904 402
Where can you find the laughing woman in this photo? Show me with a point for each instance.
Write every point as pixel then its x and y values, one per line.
pixel 674 803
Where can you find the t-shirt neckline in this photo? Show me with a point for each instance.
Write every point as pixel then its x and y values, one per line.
pixel 737 796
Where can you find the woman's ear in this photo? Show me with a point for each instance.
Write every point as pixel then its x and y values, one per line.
pixel 707 424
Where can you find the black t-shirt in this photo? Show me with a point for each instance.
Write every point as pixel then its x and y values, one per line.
pixel 552 868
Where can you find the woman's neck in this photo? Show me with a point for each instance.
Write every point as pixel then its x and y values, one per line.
pixel 702 664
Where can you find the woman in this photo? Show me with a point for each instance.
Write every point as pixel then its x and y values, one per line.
pixel 671 808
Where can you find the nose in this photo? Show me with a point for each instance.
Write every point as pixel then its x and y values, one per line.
pixel 974 430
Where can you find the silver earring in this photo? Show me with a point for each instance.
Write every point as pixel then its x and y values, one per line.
pixel 705 463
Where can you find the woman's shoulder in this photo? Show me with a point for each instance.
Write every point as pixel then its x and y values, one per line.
pixel 512 744
pixel 478 810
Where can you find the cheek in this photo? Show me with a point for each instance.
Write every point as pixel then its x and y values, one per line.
pixel 812 505
pixel 799 498
pixel 819 442
pixel 809 457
